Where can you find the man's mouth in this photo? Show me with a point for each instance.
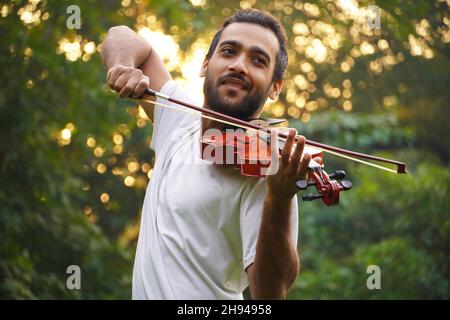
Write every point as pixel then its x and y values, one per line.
pixel 235 83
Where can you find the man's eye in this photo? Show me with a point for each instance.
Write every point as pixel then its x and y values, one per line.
pixel 228 51
pixel 260 60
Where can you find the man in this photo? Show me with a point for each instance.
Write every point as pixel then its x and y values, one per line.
pixel 206 231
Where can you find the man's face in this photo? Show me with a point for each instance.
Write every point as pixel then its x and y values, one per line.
pixel 238 76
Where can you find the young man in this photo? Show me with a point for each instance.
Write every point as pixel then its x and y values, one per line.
pixel 206 231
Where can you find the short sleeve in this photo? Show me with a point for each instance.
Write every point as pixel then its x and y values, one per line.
pixel 252 205
pixel 166 120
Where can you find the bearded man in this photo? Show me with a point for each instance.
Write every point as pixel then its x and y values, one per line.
pixel 206 231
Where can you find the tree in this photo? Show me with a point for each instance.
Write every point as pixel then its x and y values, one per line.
pixel 75 162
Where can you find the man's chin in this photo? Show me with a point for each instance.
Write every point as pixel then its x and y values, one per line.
pixel 226 108
pixel 232 102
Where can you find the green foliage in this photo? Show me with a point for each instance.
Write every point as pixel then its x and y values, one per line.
pixel 46 185
pixel 51 215
pixel 400 224
pixel 356 131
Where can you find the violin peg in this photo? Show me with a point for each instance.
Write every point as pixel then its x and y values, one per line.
pixel 311 197
pixel 303 184
pixel 346 185
pixel 337 175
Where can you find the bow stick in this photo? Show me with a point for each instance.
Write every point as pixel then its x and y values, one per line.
pixel 217 116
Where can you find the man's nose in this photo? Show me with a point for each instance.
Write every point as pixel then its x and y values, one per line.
pixel 239 65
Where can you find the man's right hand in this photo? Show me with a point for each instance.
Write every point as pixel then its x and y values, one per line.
pixel 130 60
pixel 127 81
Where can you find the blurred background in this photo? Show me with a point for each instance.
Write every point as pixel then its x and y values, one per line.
pixel 75 159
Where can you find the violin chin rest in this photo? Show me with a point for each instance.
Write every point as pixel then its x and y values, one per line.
pixel 268 122
pixel 273 122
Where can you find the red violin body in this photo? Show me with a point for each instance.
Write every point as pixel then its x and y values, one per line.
pixel 251 155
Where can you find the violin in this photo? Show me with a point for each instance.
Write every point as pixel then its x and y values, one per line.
pixel 251 155
pixel 248 150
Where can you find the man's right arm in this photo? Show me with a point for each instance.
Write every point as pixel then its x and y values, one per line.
pixel 132 65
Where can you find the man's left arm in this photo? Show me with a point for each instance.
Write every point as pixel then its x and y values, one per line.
pixel 276 263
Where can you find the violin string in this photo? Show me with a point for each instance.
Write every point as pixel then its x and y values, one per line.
pixel 196 113
pixel 362 161
pixel 354 159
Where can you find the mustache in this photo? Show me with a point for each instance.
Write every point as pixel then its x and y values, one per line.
pixel 236 77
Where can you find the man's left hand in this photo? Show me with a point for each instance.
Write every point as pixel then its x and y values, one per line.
pixel 281 186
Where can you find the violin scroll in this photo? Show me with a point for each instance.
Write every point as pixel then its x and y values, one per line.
pixel 328 186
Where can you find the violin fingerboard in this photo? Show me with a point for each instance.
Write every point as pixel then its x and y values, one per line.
pixel 314 165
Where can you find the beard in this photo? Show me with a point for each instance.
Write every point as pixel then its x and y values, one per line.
pixel 244 108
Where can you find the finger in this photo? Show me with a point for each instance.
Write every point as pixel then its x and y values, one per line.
pixel 108 75
pixel 141 86
pixel 274 153
pixel 296 155
pixel 302 171
pixel 121 82
pixel 274 142
pixel 128 89
pixel 112 76
pixel 286 152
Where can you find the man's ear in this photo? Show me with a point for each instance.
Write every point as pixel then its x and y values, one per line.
pixel 204 68
pixel 275 89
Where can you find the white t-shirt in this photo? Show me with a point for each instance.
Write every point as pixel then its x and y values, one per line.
pixel 200 221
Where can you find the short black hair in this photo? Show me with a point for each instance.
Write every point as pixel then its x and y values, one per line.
pixel 265 20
